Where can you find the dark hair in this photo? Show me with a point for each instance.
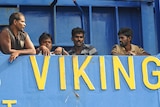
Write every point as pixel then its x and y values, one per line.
pixel 14 16
pixel 44 36
pixel 77 30
pixel 126 31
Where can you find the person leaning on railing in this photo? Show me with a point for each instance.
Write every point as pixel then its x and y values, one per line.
pixel 79 47
pixel 45 46
pixel 126 47
pixel 14 40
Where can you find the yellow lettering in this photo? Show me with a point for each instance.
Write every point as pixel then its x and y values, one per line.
pixel 9 102
pixel 117 66
pixel 62 73
pixel 154 73
pixel 40 79
pixel 80 72
pixel 102 73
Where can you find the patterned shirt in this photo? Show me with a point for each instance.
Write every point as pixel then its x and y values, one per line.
pixel 119 50
pixel 87 50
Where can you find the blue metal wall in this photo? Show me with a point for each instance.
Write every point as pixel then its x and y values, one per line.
pixel 19 83
pixel 101 19
pixel 157 15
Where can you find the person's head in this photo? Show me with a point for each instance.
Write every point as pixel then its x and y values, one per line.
pixel 125 36
pixel 46 40
pixel 78 36
pixel 17 19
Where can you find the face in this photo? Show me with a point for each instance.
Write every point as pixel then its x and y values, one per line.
pixel 124 40
pixel 47 43
pixel 78 39
pixel 20 24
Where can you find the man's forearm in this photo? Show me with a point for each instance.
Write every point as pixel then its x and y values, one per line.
pixel 26 52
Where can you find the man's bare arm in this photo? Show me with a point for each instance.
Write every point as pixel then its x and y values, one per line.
pixel 5 43
pixel 29 47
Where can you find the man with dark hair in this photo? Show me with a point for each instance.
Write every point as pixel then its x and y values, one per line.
pixel 45 42
pixel 45 48
pixel 79 47
pixel 125 47
pixel 14 40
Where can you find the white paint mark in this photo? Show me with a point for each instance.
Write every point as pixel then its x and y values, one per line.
pixel 67 99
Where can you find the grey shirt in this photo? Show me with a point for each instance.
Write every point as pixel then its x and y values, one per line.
pixel 17 43
pixel 87 50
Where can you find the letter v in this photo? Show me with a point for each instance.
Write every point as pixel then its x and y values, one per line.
pixel 40 79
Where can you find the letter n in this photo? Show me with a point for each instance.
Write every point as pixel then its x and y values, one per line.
pixel 118 67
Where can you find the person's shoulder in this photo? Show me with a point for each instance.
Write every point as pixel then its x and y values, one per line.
pixel 135 46
pixel 116 49
pixel 88 46
pixel 139 50
pixel 91 49
pixel 71 51
pixel 5 29
pixel 24 33
pixel 116 46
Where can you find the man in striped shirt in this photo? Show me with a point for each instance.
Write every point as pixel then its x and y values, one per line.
pixel 79 47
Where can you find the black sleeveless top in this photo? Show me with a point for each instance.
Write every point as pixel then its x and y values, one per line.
pixel 17 43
